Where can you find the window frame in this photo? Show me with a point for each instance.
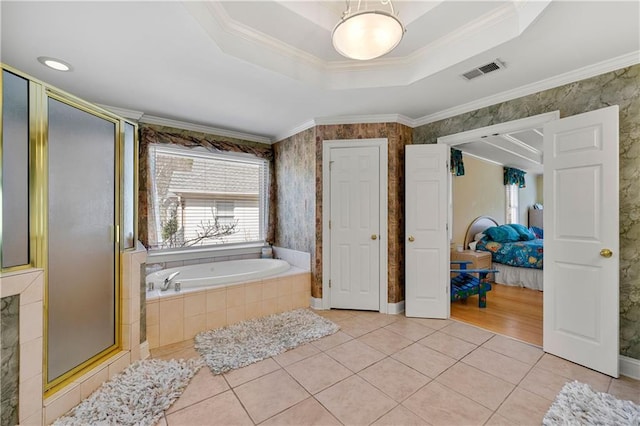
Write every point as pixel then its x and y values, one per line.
pixel 512 204
pixel 200 251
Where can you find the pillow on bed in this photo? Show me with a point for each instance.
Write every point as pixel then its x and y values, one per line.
pixel 478 236
pixel 502 234
pixel 538 232
pixel 523 232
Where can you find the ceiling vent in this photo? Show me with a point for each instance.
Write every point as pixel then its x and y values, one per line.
pixel 484 69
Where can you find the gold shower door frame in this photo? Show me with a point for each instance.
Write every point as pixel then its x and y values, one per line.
pixel 39 95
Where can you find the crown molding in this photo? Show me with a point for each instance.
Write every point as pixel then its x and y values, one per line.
pixel 123 112
pixel 159 121
pixel 589 71
pixel 294 131
pixel 364 119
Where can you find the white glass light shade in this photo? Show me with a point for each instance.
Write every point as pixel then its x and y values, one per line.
pixel 367 35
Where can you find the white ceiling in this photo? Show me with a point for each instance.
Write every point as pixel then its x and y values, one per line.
pixel 267 68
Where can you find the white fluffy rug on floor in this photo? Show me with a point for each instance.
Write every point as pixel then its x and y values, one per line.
pixel 137 396
pixel 250 341
pixel 578 404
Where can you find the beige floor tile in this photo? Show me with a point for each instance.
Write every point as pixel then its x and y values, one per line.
pixel 524 407
pixel 409 329
pixel 223 409
pixel 523 352
pixel 203 385
pixel 498 420
pixel 297 354
pixel 394 378
pixel 476 385
pixel 435 404
pixel 329 342
pixel 174 347
pixel 543 383
pixel 377 319
pixel 562 367
pixel 186 353
pixel 436 324
pixel 427 361
pixel 400 416
pixel 502 366
pixel 250 372
pixel 448 345
pixel 335 314
pixel 270 394
pixel 354 401
pixel 467 332
pixel 308 412
pixel 385 341
pixel 355 355
pixel 625 388
pixel 318 372
pixel 356 327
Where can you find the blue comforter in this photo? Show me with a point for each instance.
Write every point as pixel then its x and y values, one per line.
pixel 524 254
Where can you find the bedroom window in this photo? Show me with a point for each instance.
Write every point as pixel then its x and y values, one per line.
pixel 204 199
pixel 511 213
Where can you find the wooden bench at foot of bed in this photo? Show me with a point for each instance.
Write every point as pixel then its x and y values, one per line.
pixel 466 284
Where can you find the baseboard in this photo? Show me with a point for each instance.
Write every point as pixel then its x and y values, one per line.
pixel 316 303
pixel 395 308
pixel 629 367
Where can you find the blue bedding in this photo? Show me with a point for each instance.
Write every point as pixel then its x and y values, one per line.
pixel 523 254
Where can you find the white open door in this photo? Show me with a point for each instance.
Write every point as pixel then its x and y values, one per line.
pixel 355 228
pixel 581 245
pixel 426 235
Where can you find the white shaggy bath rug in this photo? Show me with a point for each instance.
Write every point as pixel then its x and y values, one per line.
pixel 578 404
pixel 250 341
pixel 137 396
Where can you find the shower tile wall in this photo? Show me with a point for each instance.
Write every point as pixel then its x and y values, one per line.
pixel 10 353
pixel 621 87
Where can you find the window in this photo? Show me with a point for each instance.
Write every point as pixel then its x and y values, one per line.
pixel 204 199
pixel 512 203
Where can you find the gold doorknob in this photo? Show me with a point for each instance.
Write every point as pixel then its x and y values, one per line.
pixel 411 239
pixel 374 237
pixel 606 253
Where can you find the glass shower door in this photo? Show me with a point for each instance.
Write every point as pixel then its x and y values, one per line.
pixel 82 280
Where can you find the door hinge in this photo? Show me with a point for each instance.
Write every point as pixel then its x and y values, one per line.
pixel 329 283
pixel 329 224
pixel 330 165
pixel 447 165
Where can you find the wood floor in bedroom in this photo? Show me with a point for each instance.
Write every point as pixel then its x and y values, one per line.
pixel 511 311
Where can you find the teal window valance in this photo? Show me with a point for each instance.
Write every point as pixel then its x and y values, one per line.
pixel 457 166
pixel 514 177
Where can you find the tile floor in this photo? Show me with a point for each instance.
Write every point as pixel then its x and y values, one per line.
pixel 387 370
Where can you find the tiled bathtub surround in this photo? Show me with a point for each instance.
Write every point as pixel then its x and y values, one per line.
pixel 621 87
pixel 9 362
pixel 28 287
pixel 174 317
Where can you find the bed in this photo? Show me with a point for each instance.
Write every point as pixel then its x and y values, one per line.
pixel 519 263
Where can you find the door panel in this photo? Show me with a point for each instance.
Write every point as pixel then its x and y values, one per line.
pixel 355 218
pixel 426 233
pixel 81 279
pixel 581 311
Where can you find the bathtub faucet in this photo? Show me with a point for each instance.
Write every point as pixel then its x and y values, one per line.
pixel 167 281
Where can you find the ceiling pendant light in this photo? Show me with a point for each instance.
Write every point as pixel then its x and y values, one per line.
pixel 367 34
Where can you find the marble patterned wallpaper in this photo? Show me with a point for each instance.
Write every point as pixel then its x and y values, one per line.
pixel 10 353
pixel 621 87
pixel 295 159
pixel 299 228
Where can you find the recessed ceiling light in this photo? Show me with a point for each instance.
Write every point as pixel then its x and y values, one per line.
pixel 54 63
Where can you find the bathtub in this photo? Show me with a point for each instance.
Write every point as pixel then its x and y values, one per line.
pixel 217 274
pixel 214 295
